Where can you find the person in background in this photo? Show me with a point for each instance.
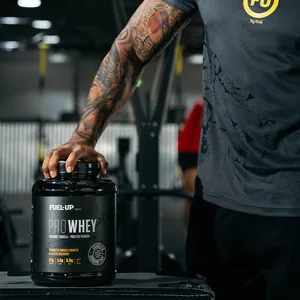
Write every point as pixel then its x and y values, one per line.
pixel 188 148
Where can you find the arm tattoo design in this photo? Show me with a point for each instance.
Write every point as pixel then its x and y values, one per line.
pixel 149 31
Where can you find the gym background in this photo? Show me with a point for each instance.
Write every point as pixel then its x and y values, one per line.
pixel 49 53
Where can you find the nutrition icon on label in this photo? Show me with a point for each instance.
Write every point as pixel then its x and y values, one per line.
pixel 60 261
pixel 69 261
pixel 51 261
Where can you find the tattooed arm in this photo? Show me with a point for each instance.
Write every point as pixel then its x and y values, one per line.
pixel 149 31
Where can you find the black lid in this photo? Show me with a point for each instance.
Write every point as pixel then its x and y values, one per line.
pixel 82 169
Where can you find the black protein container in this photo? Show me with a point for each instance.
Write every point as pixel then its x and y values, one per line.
pixel 74 228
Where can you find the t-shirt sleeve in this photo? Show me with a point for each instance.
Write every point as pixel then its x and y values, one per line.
pixel 189 6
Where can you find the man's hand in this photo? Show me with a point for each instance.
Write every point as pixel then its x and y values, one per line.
pixel 149 31
pixel 72 151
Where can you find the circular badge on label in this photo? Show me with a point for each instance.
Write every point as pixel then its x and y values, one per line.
pixel 97 254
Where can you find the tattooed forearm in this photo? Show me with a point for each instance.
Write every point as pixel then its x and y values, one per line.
pixel 148 32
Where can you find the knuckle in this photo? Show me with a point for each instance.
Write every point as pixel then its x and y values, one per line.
pixel 66 147
pixel 52 166
pixel 101 156
pixel 76 152
pixel 56 153
pixel 49 154
pixel 77 148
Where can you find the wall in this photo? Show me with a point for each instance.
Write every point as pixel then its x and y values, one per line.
pixel 20 97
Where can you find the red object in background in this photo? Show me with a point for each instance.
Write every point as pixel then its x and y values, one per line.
pixel 189 136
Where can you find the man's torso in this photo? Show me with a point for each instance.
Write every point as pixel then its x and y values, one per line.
pixel 249 157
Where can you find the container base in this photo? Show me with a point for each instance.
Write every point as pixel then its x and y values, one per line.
pixel 73 279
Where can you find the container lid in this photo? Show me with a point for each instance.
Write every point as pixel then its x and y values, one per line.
pixel 82 169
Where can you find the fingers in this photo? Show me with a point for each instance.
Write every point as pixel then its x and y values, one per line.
pixel 71 161
pixel 45 165
pixel 57 155
pixel 103 164
pixel 72 154
pixel 51 160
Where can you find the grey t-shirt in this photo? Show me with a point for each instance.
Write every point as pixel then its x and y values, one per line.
pixel 249 157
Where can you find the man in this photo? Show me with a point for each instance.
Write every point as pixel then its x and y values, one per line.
pixel 188 148
pixel 244 219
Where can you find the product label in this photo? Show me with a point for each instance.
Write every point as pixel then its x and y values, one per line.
pixel 73 234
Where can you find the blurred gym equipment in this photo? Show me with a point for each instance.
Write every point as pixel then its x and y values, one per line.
pixel 43 50
pixel 149 125
pixel 126 225
pixel 8 238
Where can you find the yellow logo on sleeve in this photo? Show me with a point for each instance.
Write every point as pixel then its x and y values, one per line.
pixel 268 7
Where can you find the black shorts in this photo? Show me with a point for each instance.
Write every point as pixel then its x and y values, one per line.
pixel 244 256
pixel 187 160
